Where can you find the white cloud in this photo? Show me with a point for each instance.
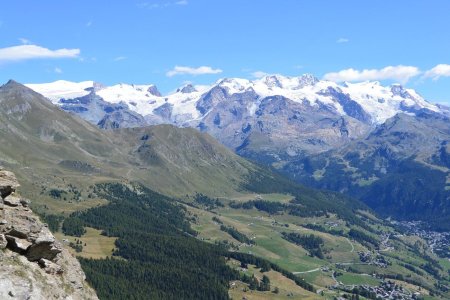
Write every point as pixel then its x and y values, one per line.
pixel 399 73
pixel 119 58
pixel 342 40
pixel 57 70
pixel 25 41
pixel 89 23
pixel 25 52
pixel 259 74
pixel 181 70
pixel 182 2
pixel 441 70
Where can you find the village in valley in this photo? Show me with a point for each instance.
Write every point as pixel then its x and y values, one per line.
pixel 438 242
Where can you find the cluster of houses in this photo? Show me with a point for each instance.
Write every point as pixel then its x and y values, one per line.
pixel 438 242
pixel 373 259
pixel 391 290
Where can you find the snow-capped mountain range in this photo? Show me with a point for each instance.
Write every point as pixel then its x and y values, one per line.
pixel 283 115
pixel 377 101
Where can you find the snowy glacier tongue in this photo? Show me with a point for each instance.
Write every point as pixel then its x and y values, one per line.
pixel 378 101
pixel 62 89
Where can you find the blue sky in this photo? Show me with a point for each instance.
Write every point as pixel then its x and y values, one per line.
pixel 170 42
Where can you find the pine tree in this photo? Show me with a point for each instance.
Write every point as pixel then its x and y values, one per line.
pixel 265 284
pixel 254 284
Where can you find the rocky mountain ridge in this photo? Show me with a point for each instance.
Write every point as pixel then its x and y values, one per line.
pixel 294 114
pixel 365 101
pixel 34 264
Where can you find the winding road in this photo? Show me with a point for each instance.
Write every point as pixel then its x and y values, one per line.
pixel 309 271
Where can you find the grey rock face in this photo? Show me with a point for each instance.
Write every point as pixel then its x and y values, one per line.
pixel 188 89
pixel 106 115
pixel 351 107
pixel 50 267
pixel 307 80
pixel 164 111
pixel 120 119
pixel 17 244
pixel 46 250
pixel 273 81
pixel 24 233
pixel 211 99
pixel 8 183
pixel 154 91
pixel 33 264
pixel 276 127
pixel 12 201
pixel 398 90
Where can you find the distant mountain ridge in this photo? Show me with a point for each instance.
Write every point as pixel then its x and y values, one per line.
pixel 298 114
pixel 366 101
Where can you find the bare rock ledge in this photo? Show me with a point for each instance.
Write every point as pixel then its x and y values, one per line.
pixel 33 264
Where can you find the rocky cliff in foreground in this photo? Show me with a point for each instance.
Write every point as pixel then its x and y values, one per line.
pixel 33 264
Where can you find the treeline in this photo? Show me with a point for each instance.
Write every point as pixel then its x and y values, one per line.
pixel 271 207
pixel 362 237
pixel 73 226
pixel 236 234
pixel 56 193
pixel 308 202
pixel 412 269
pixel 53 221
pixel 217 220
pixel 263 205
pixel 310 242
pixel 263 285
pixel 207 202
pixel 320 228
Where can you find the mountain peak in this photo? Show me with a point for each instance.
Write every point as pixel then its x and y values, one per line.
pixel 397 89
pixel 154 91
pixel 307 79
pixel 13 85
pixel 274 81
pixel 187 89
pixel 12 81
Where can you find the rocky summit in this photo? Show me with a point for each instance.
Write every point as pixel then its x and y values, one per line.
pixel 34 264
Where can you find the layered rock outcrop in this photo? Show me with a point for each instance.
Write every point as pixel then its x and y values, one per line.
pixel 33 264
